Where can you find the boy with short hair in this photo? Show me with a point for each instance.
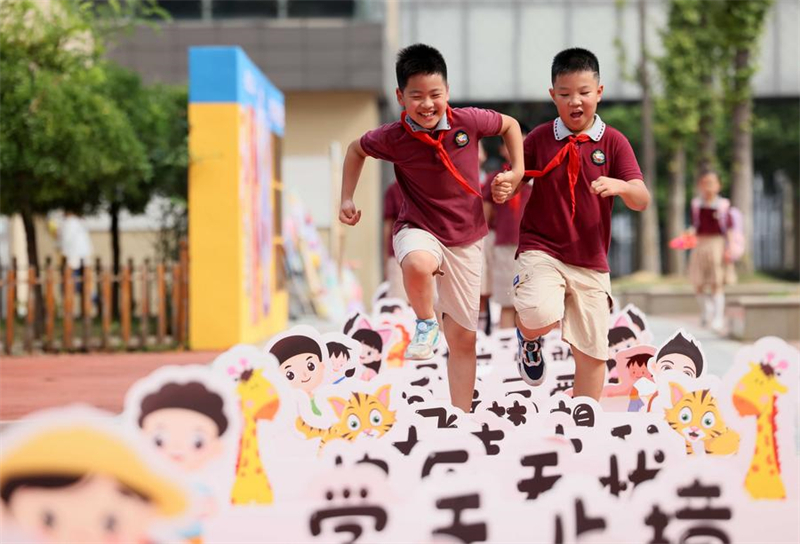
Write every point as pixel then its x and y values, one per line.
pixel 562 268
pixel 439 232
pixel 300 361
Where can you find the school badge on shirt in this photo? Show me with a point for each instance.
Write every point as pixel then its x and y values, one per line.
pixel 461 138
pixel 598 157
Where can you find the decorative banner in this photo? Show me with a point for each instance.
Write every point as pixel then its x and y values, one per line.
pixel 290 443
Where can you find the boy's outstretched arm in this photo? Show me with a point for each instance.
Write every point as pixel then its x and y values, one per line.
pixel 351 171
pixel 505 183
pixel 633 192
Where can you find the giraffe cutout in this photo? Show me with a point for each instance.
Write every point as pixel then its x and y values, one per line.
pixel 259 401
pixel 755 395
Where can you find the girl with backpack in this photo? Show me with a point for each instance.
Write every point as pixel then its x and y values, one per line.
pixel 720 242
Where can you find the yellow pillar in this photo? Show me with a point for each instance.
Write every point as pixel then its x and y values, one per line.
pixel 235 124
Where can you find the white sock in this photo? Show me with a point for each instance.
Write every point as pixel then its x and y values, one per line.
pixel 709 308
pixel 719 309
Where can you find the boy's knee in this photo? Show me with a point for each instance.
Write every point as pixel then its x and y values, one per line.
pixel 462 341
pixel 420 263
pixel 532 319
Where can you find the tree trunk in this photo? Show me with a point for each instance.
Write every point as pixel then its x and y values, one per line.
pixel 649 245
pixel 742 167
pixel 676 221
pixel 115 256
pixel 33 261
pixel 707 142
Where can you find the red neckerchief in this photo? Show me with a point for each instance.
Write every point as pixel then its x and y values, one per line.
pixel 426 139
pixel 573 167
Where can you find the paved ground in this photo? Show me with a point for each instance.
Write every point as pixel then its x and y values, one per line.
pixel 32 383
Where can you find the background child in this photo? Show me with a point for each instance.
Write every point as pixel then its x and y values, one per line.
pixel 562 269
pixel 506 219
pixel 441 226
pixel 392 202
pixel 711 262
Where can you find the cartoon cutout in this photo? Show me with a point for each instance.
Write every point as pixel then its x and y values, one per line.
pixel 620 337
pixel 682 353
pixel 637 322
pixel 363 414
pixel 187 422
pixel 642 385
pixel 372 343
pixel 635 380
pixel 755 395
pixel 78 482
pixel 696 416
pixel 343 362
pixel 301 362
pixel 259 400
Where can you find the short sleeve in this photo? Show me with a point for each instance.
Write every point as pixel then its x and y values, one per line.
pixel 486 122
pixel 624 165
pixel 376 143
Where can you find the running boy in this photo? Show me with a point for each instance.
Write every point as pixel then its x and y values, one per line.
pixel 562 266
pixel 439 232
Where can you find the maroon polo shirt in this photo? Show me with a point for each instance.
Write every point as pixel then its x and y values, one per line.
pixel 547 223
pixel 433 199
pixel 709 220
pixel 507 216
pixel 392 201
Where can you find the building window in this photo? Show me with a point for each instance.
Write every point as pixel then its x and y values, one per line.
pixel 183 9
pixel 321 8
pixel 231 9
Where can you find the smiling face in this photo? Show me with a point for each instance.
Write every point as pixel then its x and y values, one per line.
pixel 185 437
pixel 425 99
pixel 94 509
pixel 576 96
pixel 639 371
pixel 303 371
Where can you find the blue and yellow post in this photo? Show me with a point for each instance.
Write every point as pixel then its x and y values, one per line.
pixel 236 124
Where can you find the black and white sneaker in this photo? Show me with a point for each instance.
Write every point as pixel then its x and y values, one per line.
pixel 530 361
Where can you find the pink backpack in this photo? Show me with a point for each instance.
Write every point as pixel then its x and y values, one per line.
pixel 728 216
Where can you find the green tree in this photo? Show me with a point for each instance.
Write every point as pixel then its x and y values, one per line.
pixel 157 116
pixel 741 24
pixel 679 108
pixel 649 247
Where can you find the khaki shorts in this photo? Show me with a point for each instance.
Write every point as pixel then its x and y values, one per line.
pixel 548 291
pixel 394 275
pixel 503 275
pixel 458 282
pixel 487 276
pixel 707 266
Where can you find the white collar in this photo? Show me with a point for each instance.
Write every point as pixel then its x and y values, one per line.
pixel 560 130
pixel 443 124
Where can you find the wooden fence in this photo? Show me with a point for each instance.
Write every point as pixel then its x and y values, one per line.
pixel 68 310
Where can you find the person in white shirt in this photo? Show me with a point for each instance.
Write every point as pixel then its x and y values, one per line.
pixel 75 244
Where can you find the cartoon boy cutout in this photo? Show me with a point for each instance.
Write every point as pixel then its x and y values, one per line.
pixel 300 361
pixel 186 423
